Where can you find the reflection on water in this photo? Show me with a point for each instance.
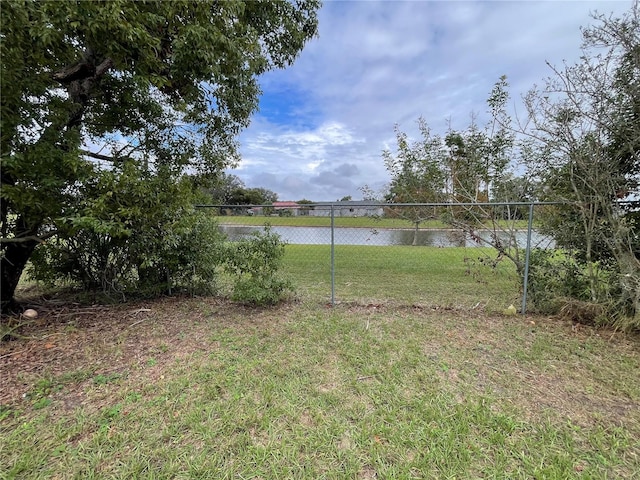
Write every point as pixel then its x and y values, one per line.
pixel 380 236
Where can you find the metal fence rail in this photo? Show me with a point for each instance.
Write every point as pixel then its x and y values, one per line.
pixel 433 253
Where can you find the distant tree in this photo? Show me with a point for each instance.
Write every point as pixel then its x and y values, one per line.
pixel 417 175
pixel 304 206
pixel 511 188
pixel 345 199
pixel 463 167
pixel 89 86
pixel 252 196
pixel 369 194
pixel 264 195
pixel 223 188
pixel 229 189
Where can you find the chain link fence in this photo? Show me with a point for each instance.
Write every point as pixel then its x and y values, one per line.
pixel 422 255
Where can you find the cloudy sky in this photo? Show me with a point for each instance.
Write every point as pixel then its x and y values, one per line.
pixel 324 122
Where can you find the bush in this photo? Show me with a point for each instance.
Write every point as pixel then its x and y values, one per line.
pixel 91 259
pixel 187 257
pixel 552 278
pixel 184 255
pixel 254 263
pixel 562 284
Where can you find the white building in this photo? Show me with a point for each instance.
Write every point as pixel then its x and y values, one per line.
pixel 361 208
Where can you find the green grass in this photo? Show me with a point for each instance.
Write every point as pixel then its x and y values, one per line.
pixel 362 392
pixel 305 221
pixel 412 375
pixel 308 221
pixel 458 277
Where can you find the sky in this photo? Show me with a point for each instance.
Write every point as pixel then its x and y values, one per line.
pixel 324 122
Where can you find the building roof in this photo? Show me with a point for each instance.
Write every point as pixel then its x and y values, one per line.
pixel 285 205
pixel 352 203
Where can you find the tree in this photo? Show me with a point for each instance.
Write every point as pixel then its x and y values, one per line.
pixel 230 190
pixel 417 175
pixel 87 86
pixel 511 188
pixel 262 196
pixel 304 206
pixel 463 167
pixel 586 118
pixel 223 188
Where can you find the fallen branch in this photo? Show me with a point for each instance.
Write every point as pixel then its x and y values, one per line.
pixel 136 323
pixel 12 353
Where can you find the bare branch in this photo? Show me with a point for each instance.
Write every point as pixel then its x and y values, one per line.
pixel 30 238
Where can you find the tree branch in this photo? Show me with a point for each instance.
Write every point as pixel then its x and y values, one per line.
pixel 99 156
pixel 30 238
pixel 108 158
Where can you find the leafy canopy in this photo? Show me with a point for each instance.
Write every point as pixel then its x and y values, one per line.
pixel 88 86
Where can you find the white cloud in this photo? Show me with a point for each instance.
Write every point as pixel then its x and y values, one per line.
pixel 379 63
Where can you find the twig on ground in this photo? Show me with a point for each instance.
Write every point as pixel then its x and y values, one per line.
pixel 136 323
pixel 12 353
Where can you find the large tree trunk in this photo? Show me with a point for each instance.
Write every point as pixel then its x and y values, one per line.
pixel 12 265
pixel 79 80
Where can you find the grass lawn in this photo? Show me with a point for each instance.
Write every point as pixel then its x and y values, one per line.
pixel 388 384
pixel 427 276
pixel 305 221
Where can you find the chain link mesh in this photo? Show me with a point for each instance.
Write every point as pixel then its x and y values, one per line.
pixel 435 256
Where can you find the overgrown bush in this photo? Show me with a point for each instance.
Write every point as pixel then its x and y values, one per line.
pixel 93 260
pixel 188 255
pixel 136 233
pixel 182 255
pixel 560 283
pixel 254 263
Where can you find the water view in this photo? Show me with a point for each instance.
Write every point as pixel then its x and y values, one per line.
pixel 380 236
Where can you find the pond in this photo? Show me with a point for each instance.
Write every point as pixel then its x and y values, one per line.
pixel 380 236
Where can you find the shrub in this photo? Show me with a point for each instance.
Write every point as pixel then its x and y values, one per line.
pixel 254 263
pixel 148 260
pixel 560 283
pixel 90 259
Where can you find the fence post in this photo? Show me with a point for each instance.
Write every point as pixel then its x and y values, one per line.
pixel 525 281
pixel 333 261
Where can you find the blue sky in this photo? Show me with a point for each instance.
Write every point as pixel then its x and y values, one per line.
pixel 324 122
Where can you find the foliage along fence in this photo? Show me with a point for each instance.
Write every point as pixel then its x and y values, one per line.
pixel 439 255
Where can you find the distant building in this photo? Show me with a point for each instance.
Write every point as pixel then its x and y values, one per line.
pixel 354 208
pixel 292 208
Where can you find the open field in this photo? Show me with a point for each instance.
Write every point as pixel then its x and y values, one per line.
pixel 400 380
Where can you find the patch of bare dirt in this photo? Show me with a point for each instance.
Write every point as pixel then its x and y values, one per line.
pixel 77 343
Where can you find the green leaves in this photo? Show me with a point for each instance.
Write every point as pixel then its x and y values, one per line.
pixel 104 102
pixel 255 262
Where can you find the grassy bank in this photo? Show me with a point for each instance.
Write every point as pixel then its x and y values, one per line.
pixel 197 388
pixel 370 222
pixel 306 221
